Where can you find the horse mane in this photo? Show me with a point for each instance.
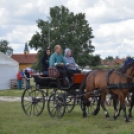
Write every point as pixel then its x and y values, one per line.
pixel 124 69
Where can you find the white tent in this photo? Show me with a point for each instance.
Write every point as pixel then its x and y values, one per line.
pixel 8 70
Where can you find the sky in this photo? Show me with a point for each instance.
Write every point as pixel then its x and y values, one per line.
pixel 112 22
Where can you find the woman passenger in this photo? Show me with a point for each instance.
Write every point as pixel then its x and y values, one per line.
pixel 69 59
pixel 45 61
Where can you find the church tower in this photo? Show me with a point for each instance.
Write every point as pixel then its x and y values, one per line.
pixel 26 50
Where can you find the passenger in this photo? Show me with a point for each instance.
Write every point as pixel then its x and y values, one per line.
pixel 27 79
pixel 128 60
pixel 57 60
pixel 45 61
pixel 69 59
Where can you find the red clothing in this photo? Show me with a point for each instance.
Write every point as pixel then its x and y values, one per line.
pixel 19 76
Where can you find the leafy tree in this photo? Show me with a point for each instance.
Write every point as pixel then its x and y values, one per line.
pixel 95 60
pixel 109 58
pixel 66 29
pixel 4 46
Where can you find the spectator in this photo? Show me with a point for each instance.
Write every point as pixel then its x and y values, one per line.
pixel 19 78
pixel 27 79
pixel 22 73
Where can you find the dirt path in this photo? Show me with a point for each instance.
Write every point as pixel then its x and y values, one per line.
pixel 10 99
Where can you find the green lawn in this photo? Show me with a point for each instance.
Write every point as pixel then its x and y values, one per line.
pixel 11 92
pixel 14 121
pixel 14 92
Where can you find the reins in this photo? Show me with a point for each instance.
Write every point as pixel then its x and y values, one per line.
pixel 91 92
pixel 124 74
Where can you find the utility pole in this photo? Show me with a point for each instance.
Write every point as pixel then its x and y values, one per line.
pixel 49 32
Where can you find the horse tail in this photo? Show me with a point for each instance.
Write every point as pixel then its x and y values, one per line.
pixel 83 84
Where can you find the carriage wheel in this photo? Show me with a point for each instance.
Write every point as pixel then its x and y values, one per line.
pixel 56 105
pixel 70 103
pixel 32 102
pixel 49 92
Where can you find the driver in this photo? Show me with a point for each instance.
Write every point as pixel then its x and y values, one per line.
pixel 57 60
pixel 128 60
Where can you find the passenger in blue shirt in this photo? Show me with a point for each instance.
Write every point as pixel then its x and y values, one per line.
pixel 57 60
pixel 128 60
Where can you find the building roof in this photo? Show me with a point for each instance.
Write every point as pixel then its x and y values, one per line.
pixel 25 58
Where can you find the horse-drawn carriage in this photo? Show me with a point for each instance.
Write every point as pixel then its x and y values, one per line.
pixel 59 98
pixel 117 82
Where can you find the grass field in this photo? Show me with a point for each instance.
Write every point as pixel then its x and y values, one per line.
pixel 14 121
pixel 11 92
pixel 14 92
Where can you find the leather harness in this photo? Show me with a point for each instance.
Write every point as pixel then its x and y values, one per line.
pixel 118 85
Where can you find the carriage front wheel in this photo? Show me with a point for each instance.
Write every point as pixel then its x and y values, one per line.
pixel 56 105
pixel 32 102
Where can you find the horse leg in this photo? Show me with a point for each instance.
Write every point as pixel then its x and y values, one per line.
pixel 83 106
pixel 103 98
pixel 131 106
pixel 115 102
pixel 123 107
pixel 96 111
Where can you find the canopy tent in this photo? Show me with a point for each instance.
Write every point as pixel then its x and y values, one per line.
pixel 8 70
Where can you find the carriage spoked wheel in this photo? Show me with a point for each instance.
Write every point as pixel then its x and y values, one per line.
pixel 70 102
pixel 56 105
pixel 33 102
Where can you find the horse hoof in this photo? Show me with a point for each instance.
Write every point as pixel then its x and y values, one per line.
pixel 84 115
pixel 107 116
pixel 96 111
pixel 114 117
pixel 127 121
pixel 130 116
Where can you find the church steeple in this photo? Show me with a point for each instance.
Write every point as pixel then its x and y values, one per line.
pixel 26 50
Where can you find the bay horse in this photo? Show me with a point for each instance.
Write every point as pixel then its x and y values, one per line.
pixel 96 80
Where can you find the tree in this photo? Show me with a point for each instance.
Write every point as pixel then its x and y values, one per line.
pixel 95 60
pixel 109 58
pixel 4 46
pixel 67 29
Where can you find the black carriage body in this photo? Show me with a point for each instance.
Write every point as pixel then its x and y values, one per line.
pixel 49 82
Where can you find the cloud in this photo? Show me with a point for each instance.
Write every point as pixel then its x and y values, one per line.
pixel 118 37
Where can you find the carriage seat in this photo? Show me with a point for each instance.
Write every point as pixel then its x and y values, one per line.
pixel 78 78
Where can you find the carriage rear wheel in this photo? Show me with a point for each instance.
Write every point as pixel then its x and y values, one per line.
pixel 33 102
pixel 56 105
pixel 70 103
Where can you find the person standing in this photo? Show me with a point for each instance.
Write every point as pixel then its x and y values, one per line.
pixel 27 79
pixel 19 79
pixel 45 61
pixel 22 73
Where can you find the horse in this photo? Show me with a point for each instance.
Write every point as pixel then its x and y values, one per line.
pixel 96 80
